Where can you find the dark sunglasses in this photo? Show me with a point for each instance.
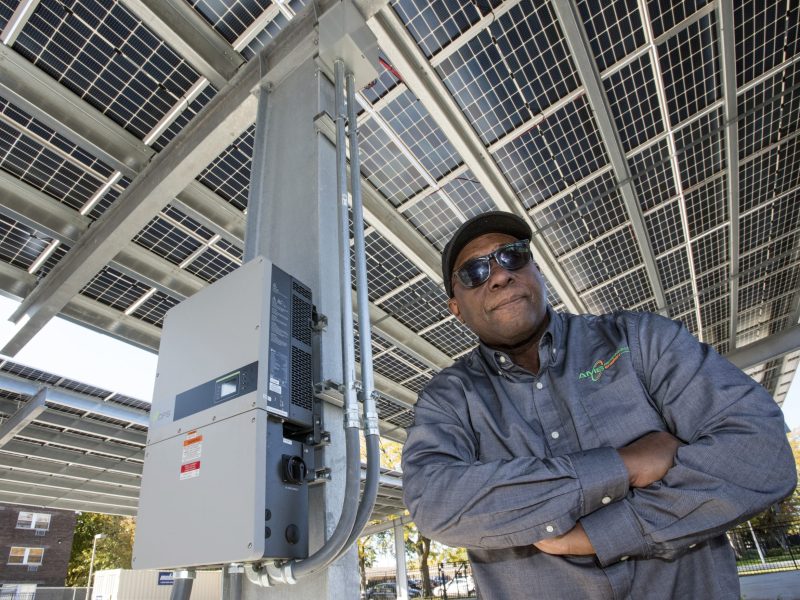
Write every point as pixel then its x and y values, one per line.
pixel 511 257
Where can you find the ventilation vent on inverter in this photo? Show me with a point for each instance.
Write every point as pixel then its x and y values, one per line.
pixel 301 378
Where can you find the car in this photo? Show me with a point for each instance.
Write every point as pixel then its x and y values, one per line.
pixel 388 591
pixel 460 586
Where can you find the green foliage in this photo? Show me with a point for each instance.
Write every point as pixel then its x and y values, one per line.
pixel 112 552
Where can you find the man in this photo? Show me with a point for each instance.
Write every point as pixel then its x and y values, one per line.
pixel 584 456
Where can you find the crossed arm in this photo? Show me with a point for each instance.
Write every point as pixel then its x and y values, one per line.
pixel 647 460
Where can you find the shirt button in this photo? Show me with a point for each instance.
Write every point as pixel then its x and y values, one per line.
pixel 502 360
pixel 549 529
pixel 621 558
pixel 605 500
pixel 692 545
pixel 554 435
pixel 539 385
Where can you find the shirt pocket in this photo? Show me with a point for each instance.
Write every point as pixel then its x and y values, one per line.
pixel 621 412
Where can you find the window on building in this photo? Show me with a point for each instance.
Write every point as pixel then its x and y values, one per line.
pixel 21 555
pixel 32 520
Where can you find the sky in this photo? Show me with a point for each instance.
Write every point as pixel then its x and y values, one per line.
pixel 87 356
pixel 78 353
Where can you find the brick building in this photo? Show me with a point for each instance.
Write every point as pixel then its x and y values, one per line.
pixel 35 545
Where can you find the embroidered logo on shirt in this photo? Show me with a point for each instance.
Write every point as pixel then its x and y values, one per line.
pixel 600 366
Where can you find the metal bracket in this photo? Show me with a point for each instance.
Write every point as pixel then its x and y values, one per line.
pixel 321 475
pixel 319 322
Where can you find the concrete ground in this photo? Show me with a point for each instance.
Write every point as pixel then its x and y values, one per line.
pixel 771 586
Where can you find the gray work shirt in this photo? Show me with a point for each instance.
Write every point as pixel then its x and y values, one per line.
pixel 500 458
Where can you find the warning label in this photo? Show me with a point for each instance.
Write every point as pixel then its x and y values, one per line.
pixel 192 447
pixel 190 470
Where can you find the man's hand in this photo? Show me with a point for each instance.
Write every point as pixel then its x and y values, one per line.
pixel 574 542
pixel 649 458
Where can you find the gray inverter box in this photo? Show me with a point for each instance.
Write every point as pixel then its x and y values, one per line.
pixel 223 478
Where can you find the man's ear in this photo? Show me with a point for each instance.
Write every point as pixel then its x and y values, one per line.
pixel 452 304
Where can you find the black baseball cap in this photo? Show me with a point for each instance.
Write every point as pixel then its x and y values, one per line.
pixel 489 222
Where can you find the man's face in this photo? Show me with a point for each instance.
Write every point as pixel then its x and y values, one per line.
pixel 510 307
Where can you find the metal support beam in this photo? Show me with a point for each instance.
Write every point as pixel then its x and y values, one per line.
pixel 769 348
pixel 23 417
pixel 74 401
pixel 727 57
pixel 424 82
pixel 587 70
pixel 190 36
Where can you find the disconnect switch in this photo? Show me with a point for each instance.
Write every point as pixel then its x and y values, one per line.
pixel 294 470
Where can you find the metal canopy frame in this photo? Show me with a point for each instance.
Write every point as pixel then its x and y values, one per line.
pixel 652 149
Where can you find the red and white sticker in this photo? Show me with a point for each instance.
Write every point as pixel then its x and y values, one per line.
pixel 190 470
pixel 192 447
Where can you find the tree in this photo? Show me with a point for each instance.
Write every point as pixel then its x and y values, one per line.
pixel 112 552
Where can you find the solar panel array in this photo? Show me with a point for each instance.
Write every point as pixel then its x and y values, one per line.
pixel 653 145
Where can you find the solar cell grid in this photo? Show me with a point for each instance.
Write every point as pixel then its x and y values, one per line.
pixel 666 15
pixel 114 289
pixel 265 36
pixel 575 219
pixel 604 258
pixel 166 240
pixel 417 384
pixel 629 290
pixel 467 193
pixel 614 29
pixel 21 121
pixel 434 218
pixel 653 176
pixel 563 149
pixel 664 228
pixel 388 366
pixel 29 373
pixel 700 147
pixel 673 269
pixel 714 312
pixel 757 180
pixel 183 118
pixel 435 24
pixel 154 308
pixel 633 97
pixel 680 300
pixel 230 19
pixel 52 260
pixel 45 169
pixel 210 265
pixel 451 337
pixel 418 306
pixel 412 122
pixel 707 206
pixel 770 221
pixel 388 169
pixel 101 52
pixel 386 267
pixel 229 174
pixel 690 69
pixel 768 110
pixel 20 246
pixel 766 32
pixel 710 251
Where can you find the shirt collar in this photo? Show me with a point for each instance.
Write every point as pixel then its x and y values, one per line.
pixel 549 346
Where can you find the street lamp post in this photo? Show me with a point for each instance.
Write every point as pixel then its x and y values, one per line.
pixel 98 536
